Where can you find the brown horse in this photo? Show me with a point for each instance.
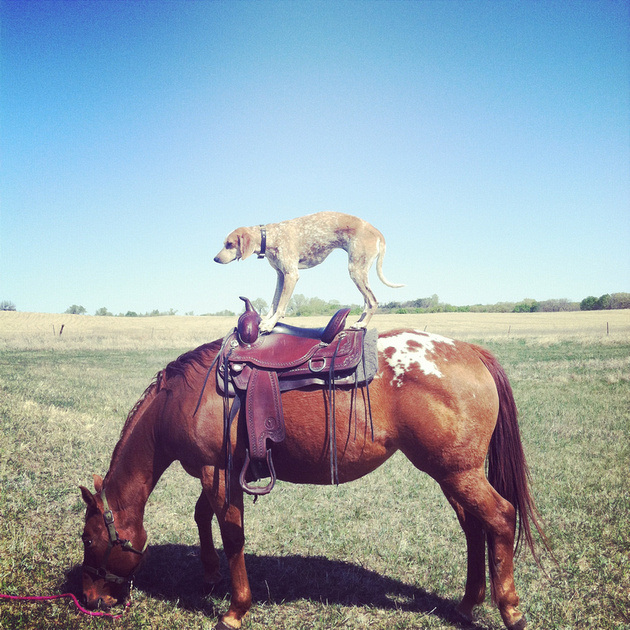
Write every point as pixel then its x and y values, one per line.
pixel 447 405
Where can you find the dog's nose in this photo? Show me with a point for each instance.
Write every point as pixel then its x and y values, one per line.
pixel 216 259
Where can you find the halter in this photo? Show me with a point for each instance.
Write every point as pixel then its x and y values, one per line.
pixel 114 540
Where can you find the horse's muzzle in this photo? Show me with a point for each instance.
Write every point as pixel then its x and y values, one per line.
pixel 95 603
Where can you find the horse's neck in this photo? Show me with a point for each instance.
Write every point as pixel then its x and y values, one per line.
pixel 136 467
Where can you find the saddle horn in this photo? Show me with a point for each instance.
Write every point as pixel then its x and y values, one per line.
pixel 248 323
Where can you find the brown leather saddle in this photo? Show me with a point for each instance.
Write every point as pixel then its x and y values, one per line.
pixel 256 368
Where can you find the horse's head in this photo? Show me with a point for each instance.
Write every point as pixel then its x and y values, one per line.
pixel 112 553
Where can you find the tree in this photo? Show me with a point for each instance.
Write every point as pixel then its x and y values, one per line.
pixel 103 312
pixel 556 305
pixel 620 300
pixel 75 310
pixel 297 304
pixel 7 306
pixel 526 306
pixel 260 305
pixel 589 303
pixel 427 302
pixel 605 301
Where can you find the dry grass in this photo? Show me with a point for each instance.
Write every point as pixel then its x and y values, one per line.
pixel 42 330
pixel 384 552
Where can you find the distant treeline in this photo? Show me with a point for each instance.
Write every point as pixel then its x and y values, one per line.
pixel 75 309
pixel 433 305
pixel 301 306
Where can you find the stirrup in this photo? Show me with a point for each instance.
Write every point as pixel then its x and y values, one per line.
pixel 257 490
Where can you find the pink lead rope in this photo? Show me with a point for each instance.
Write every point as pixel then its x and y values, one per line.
pixel 43 598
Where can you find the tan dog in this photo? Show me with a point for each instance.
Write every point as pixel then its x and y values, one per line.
pixel 305 242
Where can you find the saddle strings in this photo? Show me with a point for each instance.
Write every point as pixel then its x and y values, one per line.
pixel 332 441
pixel 228 416
pixel 355 395
pixel 367 386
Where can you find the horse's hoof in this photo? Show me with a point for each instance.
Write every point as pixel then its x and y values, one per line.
pixel 221 625
pixel 211 581
pixel 465 613
pixel 521 624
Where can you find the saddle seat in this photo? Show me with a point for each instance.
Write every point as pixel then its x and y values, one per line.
pixel 257 368
pixel 291 352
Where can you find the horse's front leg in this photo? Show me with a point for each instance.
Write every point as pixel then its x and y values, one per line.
pixel 230 518
pixel 209 556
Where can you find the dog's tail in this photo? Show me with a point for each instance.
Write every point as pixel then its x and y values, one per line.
pixel 379 265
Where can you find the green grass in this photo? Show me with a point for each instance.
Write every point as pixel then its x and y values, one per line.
pixel 383 552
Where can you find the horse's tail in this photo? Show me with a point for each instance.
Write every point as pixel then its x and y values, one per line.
pixel 507 469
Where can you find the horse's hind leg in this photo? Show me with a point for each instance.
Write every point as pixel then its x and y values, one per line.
pixel 476 556
pixel 209 556
pixel 472 491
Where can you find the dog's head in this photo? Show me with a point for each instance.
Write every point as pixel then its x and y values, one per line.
pixel 238 246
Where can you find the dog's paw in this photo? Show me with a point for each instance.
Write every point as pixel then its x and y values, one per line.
pixel 267 325
pixel 358 325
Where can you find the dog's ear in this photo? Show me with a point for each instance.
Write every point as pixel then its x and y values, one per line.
pixel 246 244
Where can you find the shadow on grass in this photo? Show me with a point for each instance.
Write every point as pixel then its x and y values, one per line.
pixel 174 573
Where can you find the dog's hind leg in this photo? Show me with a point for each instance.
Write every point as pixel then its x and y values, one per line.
pixel 359 275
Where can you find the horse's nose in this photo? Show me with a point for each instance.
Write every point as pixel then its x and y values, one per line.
pixel 94 603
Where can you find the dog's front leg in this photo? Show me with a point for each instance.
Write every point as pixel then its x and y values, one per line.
pixel 284 291
pixel 276 295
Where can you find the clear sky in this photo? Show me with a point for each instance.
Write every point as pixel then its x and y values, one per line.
pixel 489 141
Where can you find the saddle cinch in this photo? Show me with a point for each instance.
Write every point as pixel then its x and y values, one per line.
pixel 255 369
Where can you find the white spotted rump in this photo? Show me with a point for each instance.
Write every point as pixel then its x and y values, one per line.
pixel 411 349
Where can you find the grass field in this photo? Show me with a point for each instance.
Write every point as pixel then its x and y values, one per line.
pixel 383 552
pixel 44 331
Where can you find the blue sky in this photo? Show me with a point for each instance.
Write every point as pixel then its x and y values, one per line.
pixel 488 141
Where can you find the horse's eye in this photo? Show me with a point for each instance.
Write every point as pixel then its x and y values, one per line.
pixel 87 541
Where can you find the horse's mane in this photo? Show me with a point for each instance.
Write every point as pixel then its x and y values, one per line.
pixel 193 359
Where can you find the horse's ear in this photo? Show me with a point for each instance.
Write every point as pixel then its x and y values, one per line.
pixel 87 497
pixel 98 483
pixel 246 244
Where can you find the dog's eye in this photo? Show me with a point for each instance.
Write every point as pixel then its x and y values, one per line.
pixel 229 245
